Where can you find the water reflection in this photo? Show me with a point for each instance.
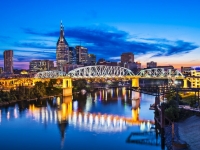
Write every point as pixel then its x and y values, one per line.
pixel 107 110
pixel 57 110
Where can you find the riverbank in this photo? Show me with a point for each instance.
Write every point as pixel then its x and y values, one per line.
pixel 14 101
pixel 189 131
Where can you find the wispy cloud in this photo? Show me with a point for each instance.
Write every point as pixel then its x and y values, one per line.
pixel 177 47
pixel 108 42
pixel 39 45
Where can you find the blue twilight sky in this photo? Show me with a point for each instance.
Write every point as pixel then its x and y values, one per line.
pixel 165 31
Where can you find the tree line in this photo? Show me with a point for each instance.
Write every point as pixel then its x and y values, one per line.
pixel 41 89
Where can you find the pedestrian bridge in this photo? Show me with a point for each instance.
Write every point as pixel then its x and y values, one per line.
pixel 101 71
pixel 114 73
pixel 96 73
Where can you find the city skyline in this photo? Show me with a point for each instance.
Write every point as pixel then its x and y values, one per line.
pixel 162 31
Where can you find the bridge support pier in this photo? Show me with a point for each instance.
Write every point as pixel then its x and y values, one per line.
pixel 67 90
pixel 135 82
pixel 185 85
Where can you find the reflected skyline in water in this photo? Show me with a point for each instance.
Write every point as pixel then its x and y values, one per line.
pixel 103 112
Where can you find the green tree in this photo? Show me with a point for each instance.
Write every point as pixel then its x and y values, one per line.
pixel 52 82
pixel 6 96
pixel 39 89
pixel 79 85
pixel 172 113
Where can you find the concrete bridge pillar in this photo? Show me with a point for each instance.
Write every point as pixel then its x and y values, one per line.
pixel 67 99
pixel 135 82
pixel 185 85
pixel 67 90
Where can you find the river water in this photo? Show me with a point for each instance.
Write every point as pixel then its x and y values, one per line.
pixel 99 120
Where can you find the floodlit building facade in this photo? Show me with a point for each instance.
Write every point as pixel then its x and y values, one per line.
pixel 195 77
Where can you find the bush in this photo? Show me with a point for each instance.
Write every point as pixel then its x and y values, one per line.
pixel 192 102
pixel 172 113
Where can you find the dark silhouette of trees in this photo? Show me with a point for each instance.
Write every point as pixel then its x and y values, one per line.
pixel 39 90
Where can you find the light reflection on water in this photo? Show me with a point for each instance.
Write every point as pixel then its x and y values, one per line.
pixel 111 113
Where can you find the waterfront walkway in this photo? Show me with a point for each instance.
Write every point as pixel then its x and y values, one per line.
pixel 189 131
pixel 186 107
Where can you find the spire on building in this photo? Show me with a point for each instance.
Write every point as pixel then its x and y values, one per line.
pixel 61 31
pixel 62 37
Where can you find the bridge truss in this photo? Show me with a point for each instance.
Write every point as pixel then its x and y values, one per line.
pixel 100 71
pixel 160 73
pixel 50 74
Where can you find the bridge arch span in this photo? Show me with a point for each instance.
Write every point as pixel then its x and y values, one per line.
pixel 160 73
pixel 50 74
pixel 100 71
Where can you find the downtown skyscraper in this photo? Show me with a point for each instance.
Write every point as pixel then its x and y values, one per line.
pixel 62 50
pixel 8 61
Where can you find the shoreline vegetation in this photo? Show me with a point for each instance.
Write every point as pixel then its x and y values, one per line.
pixel 41 90
pixel 33 99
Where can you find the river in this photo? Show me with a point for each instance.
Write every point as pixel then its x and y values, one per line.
pixel 98 120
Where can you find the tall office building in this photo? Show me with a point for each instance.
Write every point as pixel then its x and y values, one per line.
pixel 91 60
pixel 62 50
pixel 81 54
pixel 1 70
pixel 72 56
pixel 41 65
pixel 127 58
pixel 8 61
pixel 151 64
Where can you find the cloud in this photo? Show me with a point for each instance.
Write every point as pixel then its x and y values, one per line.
pixel 27 51
pixel 178 47
pixel 39 45
pixel 106 42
